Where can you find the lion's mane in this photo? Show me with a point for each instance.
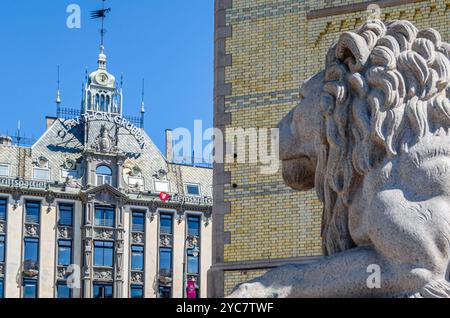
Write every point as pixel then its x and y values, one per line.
pixel 387 86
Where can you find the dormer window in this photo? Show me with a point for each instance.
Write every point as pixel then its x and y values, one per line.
pixel 192 189
pixel 104 175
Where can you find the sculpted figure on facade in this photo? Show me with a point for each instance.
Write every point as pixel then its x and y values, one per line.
pixel 371 135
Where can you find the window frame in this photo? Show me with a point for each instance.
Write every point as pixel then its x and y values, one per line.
pixel 110 248
pixel 189 184
pixel 66 205
pixel 63 284
pixel 104 209
pixel 31 202
pixel 2 248
pixel 8 166
pixel 161 216
pixel 140 287
pixel 199 218
pixel 33 240
pixel 142 256
pixel 31 282
pixel 42 170
pixel 4 202
pixel 161 182
pixel 103 285
pixel 103 175
pixel 143 214
pixel 70 254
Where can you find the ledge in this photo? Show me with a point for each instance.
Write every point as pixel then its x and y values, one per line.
pixel 350 8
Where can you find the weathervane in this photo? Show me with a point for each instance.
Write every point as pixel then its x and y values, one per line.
pixel 97 14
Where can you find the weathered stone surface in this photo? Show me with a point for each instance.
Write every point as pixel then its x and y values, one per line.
pixel 371 135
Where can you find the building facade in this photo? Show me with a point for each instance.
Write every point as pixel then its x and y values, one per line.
pixel 94 210
pixel 264 50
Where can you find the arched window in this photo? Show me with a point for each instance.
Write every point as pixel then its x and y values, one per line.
pixel 108 101
pixel 104 175
pixel 89 101
pixel 97 101
pixel 102 104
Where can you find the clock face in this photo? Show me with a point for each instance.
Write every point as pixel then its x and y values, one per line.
pixel 102 78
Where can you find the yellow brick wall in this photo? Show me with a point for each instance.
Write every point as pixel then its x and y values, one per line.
pixel 274 48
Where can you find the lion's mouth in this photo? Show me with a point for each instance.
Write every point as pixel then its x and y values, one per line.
pixel 299 173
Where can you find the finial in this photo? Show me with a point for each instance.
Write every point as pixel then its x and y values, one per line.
pixel 58 93
pixel 101 14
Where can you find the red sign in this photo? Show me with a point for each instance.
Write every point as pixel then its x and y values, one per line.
pixel 164 196
pixel 191 289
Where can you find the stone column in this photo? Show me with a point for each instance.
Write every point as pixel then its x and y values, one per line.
pixel 14 228
pixel 151 283
pixel 88 232
pixel 119 253
pixel 179 244
pixel 77 242
pixel 205 253
pixel 120 163
pixel 47 252
pixel 88 173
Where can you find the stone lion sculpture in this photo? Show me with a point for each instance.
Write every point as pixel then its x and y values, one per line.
pixel 371 135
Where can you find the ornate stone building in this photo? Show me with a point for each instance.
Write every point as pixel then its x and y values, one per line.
pixel 94 209
pixel 264 50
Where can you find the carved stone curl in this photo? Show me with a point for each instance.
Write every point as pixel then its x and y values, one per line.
pixel 371 136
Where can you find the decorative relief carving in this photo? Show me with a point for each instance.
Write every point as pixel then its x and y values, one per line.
pixel 103 274
pixel 32 230
pixel 2 228
pixel 137 238
pixel 2 269
pixel 64 232
pixel 104 234
pixel 104 142
pixel 191 242
pixel 137 277
pixel 62 273
pixel 165 240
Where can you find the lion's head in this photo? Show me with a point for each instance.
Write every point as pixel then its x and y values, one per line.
pixel 384 88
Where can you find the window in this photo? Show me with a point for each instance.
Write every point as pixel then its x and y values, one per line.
pixel 137 291
pixel 65 215
pixel 104 175
pixel 138 219
pixel 103 290
pixel 162 186
pixel 3 208
pixel 193 189
pixel 63 291
pixel 4 170
pixel 165 262
pixel 104 217
pixel 103 253
pixel 102 103
pixel 194 226
pixel 193 263
pixel 31 250
pixel 165 225
pixel 165 292
pixel 32 212
pixel 41 174
pixel 2 289
pixel 137 258
pixel 29 288
pixel 64 252
pixel 2 248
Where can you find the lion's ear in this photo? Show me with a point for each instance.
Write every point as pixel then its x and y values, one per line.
pixel 352 49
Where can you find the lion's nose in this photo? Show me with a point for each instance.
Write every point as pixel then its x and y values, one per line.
pixel 286 136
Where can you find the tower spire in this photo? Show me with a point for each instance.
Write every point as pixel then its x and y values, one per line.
pixel 58 96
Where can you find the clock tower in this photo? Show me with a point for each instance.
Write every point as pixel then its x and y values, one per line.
pixel 101 94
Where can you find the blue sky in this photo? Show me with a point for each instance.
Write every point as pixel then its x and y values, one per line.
pixel 169 42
